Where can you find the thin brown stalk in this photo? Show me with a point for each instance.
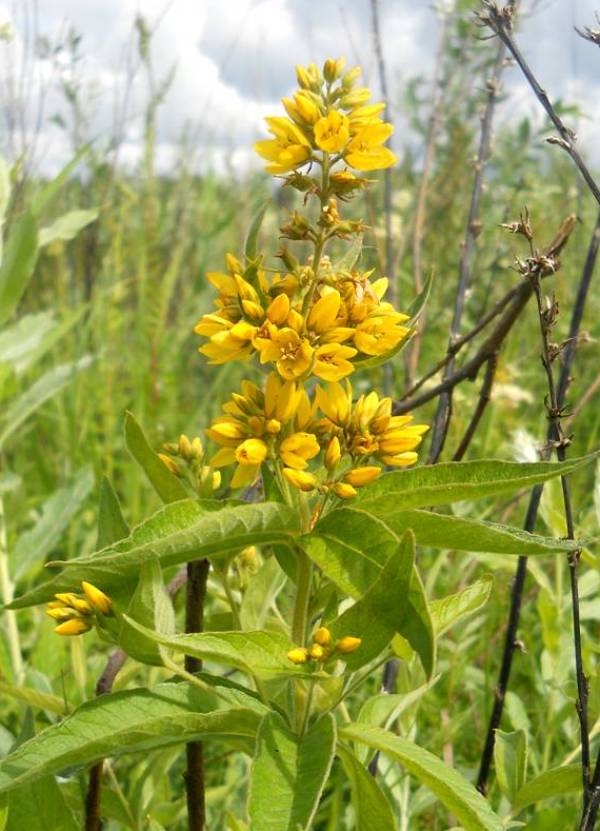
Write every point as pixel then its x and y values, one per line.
pixel 441 421
pixel 197 573
pixel 500 20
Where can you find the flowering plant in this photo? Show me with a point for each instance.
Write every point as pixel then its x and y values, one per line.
pixel 310 580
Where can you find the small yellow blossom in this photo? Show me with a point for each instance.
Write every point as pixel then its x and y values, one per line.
pixel 317 653
pixel 322 636
pixel 333 453
pixel 299 655
pixel 344 490
pixel 296 449
pixel 348 644
pixel 75 626
pixel 289 148
pixel 360 476
pixel 300 479
pixel 332 131
pixel 365 150
pixel 332 361
pixel 100 602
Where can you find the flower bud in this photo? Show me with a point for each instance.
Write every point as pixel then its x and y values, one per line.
pixel 351 77
pixel 333 454
pixel 360 476
pixel 348 644
pixel 100 602
pixel 298 655
pixel 322 636
pixel 332 69
pixel 170 464
pixel 75 626
pixel 344 490
pixel 184 447
pixel 302 77
pixel 300 479
pixel 316 652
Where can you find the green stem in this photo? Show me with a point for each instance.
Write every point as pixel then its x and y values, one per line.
pixel 7 592
pixel 299 625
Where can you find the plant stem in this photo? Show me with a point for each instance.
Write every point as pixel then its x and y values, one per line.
pixel 510 642
pixel 197 572
pixel 299 625
pixel 443 414
pixel 7 593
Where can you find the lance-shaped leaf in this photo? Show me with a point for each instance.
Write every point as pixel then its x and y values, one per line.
pixel 67 226
pixel 371 807
pixel 165 483
pixel 257 653
pixel 111 525
pixel 446 531
pixel 151 606
pixel 510 758
pixel 447 611
pixel 18 263
pixel 456 793
pixel 134 721
pixel 382 610
pixel 182 531
pixel 549 784
pixel 449 482
pixel 289 774
pixel 351 548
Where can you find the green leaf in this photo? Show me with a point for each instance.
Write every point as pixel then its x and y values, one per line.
pixel 289 774
pixel 351 547
pixel 263 654
pixel 371 808
pixel 165 483
pixel 47 193
pixel 18 263
pixel 21 339
pixel 251 244
pixel 4 189
pixel 67 226
pixel 550 783
pixel 260 595
pixel 111 525
pixel 458 795
pixel 39 806
pixel 382 610
pixel 35 698
pixel 133 721
pixel 150 606
pixel 56 512
pixel 510 759
pixel 446 611
pixel 415 310
pixel 44 388
pixel 350 258
pixel 449 482
pixel 180 532
pixel 446 531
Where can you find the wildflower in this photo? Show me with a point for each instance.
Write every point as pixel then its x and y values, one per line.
pixel 348 644
pixel 332 361
pixel 100 602
pixel 335 401
pixel 75 626
pixel 344 490
pixel 365 150
pixel 359 476
pixel 299 655
pixel 295 450
pixel 333 453
pixel 289 148
pixel 322 636
pixel 332 131
pixel 302 109
pixel 317 653
pixel 300 479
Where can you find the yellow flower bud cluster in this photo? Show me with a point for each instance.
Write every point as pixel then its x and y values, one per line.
pixel 323 328
pixel 205 480
pixel 329 120
pixel 323 647
pixel 75 613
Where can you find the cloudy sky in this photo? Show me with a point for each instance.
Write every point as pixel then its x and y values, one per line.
pixel 233 60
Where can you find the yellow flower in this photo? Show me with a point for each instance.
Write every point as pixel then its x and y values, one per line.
pixel 333 453
pixel 281 398
pixel 250 455
pixel 77 604
pixel 317 653
pixel 302 109
pixel 332 361
pixel 380 334
pixel 332 131
pixel 300 479
pixel 299 655
pixel 288 150
pixel 100 602
pixel 335 401
pixel 324 312
pixel 296 449
pixel 279 309
pixel 170 464
pixel 75 626
pixel 292 353
pixel 348 644
pixel 364 116
pixel 360 476
pixel 344 490
pixel 322 636
pixel 230 344
pixel 365 150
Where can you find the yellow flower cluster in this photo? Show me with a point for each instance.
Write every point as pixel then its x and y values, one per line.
pixel 323 647
pixel 329 114
pixel 74 613
pixel 189 454
pixel 321 329
pixel 284 426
